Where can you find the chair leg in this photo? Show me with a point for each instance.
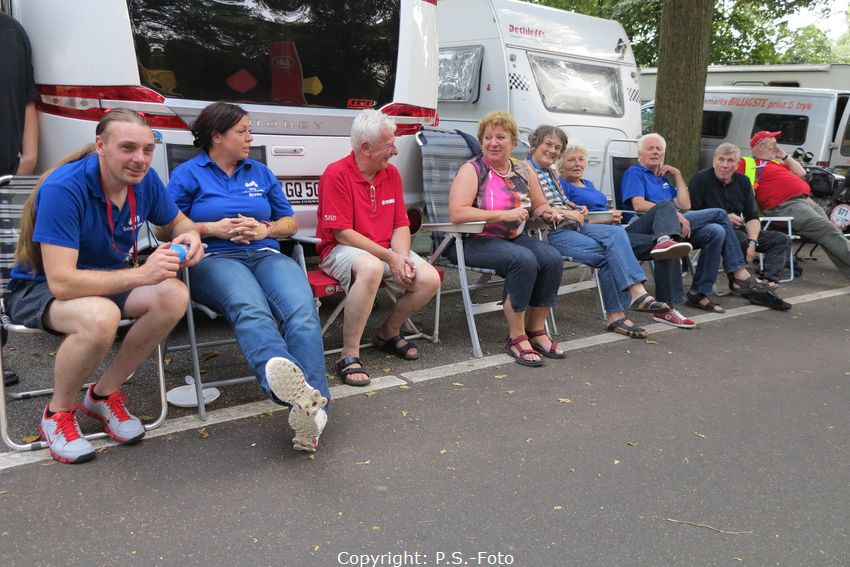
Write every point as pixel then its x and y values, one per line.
pixel 467 302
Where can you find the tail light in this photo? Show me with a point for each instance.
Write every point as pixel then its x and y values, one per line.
pixel 822 164
pixel 91 103
pixel 409 118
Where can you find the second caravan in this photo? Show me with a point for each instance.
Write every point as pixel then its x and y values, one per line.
pixel 544 66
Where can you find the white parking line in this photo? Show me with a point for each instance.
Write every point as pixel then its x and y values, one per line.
pixel 11 459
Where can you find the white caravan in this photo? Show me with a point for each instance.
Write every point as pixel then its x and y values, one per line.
pixel 817 120
pixel 827 76
pixel 302 73
pixel 544 66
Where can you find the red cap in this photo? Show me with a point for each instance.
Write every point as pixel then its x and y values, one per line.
pixel 761 135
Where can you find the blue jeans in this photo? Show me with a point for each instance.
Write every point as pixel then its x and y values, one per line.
pixel 713 234
pixel 266 297
pixel 532 269
pixel 606 248
pixel 644 231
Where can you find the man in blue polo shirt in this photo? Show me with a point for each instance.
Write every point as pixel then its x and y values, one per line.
pixel 646 184
pixel 77 275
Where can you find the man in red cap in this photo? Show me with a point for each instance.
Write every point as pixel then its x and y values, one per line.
pixel 781 191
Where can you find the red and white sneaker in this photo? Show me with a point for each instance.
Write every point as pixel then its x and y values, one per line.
pixel 64 438
pixel 670 250
pixel 673 317
pixel 117 422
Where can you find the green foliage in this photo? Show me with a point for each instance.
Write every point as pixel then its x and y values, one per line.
pixel 743 31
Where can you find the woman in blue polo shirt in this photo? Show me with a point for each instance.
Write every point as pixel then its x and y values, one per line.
pixel 240 211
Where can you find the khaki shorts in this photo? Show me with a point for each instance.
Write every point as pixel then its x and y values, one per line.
pixel 340 260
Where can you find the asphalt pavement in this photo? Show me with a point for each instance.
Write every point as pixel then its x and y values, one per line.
pixel 722 445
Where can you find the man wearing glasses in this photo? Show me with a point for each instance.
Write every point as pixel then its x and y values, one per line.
pixel 365 239
pixel 782 191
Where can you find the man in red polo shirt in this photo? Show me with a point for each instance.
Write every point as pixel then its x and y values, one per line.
pixel 781 191
pixel 365 239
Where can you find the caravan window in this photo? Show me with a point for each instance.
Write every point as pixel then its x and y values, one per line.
pixel 845 143
pixel 715 124
pixel 792 126
pixel 566 86
pixel 304 53
pixel 460 73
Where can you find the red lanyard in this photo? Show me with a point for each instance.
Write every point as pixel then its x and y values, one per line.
pixel 131 198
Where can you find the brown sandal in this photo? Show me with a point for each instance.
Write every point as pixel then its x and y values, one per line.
pixel 552 352
pixel 509 348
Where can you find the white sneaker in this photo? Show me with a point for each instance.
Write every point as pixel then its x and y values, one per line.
pixel 307 418
pixel 64 438
pixel 308 428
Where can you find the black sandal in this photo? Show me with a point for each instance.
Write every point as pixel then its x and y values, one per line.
pixel 391 345
pixel 647 304
pixel 344 369
pixel 621 328
pixel 746 286
pixel 695 299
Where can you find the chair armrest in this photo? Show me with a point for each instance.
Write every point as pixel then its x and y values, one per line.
pixel 777 219
pixel 473 227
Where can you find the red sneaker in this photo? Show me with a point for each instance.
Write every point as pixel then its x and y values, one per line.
pixel 673 317
pixel 670 250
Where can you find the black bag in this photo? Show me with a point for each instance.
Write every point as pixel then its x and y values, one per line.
pixel 821 181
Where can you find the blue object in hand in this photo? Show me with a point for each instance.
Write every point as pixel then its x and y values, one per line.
pixel 181 249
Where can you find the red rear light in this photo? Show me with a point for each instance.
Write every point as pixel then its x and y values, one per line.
pixel 91 103
pixel 409 118
pixel 415 218
pixel 822 164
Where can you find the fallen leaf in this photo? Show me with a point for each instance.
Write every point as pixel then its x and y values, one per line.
pixel 386 369
pixel 628 351
pixel 51 353
pixel 529 440
pixel 268 413
pixel 167 360
pixel 315 548
pixel 457 384
pixel 30 439
pixel 209 355
pixel 565 400
pixel 311 457
pixel 699 435
pixel 369 394
pixel 651 342
pixel 202 433
pixel 376 528
pixel 443 451
pixel 510 392
pixel 253 444
pixel 737 559
pixel 404 387
pixel 477 402
pixel 500 376
pixel 144 417
pixel 588 383
pixel 404 413
pixel 366 462
pixel 631 443
pixel 558 508
pixel 254 540
pixel 2 492
pixel 616 461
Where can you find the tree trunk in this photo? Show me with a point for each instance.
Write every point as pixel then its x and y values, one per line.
pixel 682 64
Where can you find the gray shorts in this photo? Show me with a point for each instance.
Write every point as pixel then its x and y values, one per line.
pixel 28 302
pixel 340 260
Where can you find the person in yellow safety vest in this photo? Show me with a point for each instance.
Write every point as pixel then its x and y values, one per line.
pixel 781 191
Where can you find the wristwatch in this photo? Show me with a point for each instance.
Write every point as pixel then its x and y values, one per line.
pixel 752 241
pixel 785 157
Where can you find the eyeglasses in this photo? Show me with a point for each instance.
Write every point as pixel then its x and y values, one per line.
pixel 372 198
pixel 553 146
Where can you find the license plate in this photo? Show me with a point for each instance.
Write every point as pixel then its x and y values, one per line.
pixel 301 191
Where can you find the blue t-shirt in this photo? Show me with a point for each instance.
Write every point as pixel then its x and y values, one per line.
pixel 639 181
pixel 205 193
pixel 589 195
pixel 71 212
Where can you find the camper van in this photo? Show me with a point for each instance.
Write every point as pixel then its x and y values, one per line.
pixel 827 76
pixel 544 66
pixel 813 119
pixel 302 75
